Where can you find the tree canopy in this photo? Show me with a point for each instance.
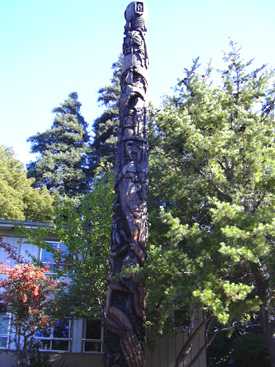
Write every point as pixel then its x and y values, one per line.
pixel 18 199
pixel 63 165
pixel 105 126
pixel 211 199
pixel 83 224
pixel 212 177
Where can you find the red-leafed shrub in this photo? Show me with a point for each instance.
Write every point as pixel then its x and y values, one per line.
pixel 28 292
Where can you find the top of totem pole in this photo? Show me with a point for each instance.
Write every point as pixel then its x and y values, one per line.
pixel 134 10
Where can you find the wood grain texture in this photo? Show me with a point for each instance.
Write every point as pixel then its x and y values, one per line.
pixel 124 313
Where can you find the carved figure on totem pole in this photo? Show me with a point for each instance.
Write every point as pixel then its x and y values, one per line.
pixel 124 313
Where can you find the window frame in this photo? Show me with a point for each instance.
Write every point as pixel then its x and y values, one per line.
pixel 51 339
pixel 50 264
pixel 84 340
pixel 8 334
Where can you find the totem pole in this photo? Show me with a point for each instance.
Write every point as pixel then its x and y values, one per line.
pixel 124 313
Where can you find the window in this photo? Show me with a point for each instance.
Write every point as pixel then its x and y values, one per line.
pixel 4 255
pixel 47 257
pixel 5 324
pixel 29 251
pixel 92 340
pixel 56 338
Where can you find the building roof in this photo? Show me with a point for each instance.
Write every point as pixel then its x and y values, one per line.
pixel 12 224
pixel 15 228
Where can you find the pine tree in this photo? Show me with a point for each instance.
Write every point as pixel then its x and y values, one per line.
pixel 106 124
pixel 63 152
pixel 212 174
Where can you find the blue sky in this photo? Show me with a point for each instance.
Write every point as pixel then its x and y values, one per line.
pixel 51 48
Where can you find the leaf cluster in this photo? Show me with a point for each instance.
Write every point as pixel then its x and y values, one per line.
pixel 18 199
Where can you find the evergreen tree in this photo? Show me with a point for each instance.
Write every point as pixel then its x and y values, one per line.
pixel 105 126
pixel 63 152
pixel 212 175
pixel 18 199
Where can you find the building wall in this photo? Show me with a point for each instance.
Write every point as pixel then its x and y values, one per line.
pixel 7 359
pixel 77 326
pixel 163 354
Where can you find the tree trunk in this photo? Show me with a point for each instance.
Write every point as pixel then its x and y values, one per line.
pixel 124 313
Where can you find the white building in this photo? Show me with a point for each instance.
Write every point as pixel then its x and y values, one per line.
pixel 66 336
pixel 75 342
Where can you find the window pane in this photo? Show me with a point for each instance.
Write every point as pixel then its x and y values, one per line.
pixel 93 329
pixel 44 333
pixel 61 329
pixel 92 346
pixel 63 249
pixel 4 324
pixel 29 251
pixel 60 345
pixel 47 256
pixel 45 344
pixel 3 342
pixel 3 256
pixel 54 335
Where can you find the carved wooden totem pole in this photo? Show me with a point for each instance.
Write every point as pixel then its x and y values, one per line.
pixel 124 313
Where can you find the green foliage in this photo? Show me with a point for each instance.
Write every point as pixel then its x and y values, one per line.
pixel 168 286
pixel 84 225
pixel 211 200
pixel 105 126
pixel 219 353
pixel 18 200
pixel 242 348
pixel 212 178
pixel 63 163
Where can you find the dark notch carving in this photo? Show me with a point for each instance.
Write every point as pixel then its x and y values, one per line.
pixel 124 313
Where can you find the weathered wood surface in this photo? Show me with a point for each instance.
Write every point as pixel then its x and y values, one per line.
pixel 124 313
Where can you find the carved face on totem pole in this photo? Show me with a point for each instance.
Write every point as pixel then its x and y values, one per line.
pixel 139 7
pixel 134 9
pixel 134 16
pixel 132 151
pixel 124 312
